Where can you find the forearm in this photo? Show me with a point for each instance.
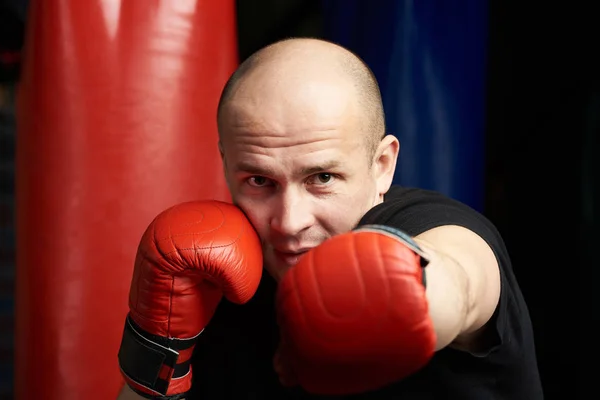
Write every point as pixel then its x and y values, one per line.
pixel 447 293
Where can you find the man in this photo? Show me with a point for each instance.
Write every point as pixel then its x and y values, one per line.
pixel 307 160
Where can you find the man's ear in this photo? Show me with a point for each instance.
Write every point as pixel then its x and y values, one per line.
pixel 384 163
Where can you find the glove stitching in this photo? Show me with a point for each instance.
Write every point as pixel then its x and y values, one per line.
pixel 189 224
pixel 172 284
pixel 201 248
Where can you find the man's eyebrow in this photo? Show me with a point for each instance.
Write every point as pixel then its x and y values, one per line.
pixel 316 169
pixel 252 169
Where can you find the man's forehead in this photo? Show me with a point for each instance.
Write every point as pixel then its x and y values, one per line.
pixel 315 114
pixel 325 93
pixel 285 125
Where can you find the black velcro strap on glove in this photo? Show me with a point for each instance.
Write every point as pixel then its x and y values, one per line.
pixel 142 356
pixel 401 236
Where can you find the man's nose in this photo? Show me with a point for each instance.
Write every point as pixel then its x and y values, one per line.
pixel 292 213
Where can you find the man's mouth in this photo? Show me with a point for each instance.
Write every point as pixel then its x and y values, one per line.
pixel 289 258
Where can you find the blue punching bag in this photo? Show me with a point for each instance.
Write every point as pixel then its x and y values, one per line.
pixel 430 60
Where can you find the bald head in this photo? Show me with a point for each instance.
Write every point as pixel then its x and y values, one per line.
pixel 292 62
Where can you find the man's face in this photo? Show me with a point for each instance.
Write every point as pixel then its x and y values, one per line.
pixel 298 167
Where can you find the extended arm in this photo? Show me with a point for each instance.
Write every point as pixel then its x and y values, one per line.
pixel 463 285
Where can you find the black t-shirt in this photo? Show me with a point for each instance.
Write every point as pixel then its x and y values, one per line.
pixel 234 356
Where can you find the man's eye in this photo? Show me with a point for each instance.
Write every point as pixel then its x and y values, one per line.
pixel 258 181
pixel 322 178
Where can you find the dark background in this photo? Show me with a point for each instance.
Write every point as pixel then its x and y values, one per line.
pixel 542 126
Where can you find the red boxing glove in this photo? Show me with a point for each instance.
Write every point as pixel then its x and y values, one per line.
pixel 189 257
pixel 353 314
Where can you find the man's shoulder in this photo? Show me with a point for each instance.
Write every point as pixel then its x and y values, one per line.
pixel 395 201
pixel 415 210
pixel 398 192
pixel 404 196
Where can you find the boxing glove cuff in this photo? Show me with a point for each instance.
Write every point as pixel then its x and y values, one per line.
pixel 401 236
pixel 151 361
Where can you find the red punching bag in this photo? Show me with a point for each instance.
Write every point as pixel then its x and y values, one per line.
pixel 116 122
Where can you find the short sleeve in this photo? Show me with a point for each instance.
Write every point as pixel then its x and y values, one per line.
pixel 415 211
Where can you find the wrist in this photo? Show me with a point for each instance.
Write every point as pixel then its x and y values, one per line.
pixel 446 293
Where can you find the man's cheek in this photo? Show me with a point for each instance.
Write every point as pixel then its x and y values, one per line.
pixel 257 217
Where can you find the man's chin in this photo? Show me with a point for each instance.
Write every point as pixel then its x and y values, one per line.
pixel 278 271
